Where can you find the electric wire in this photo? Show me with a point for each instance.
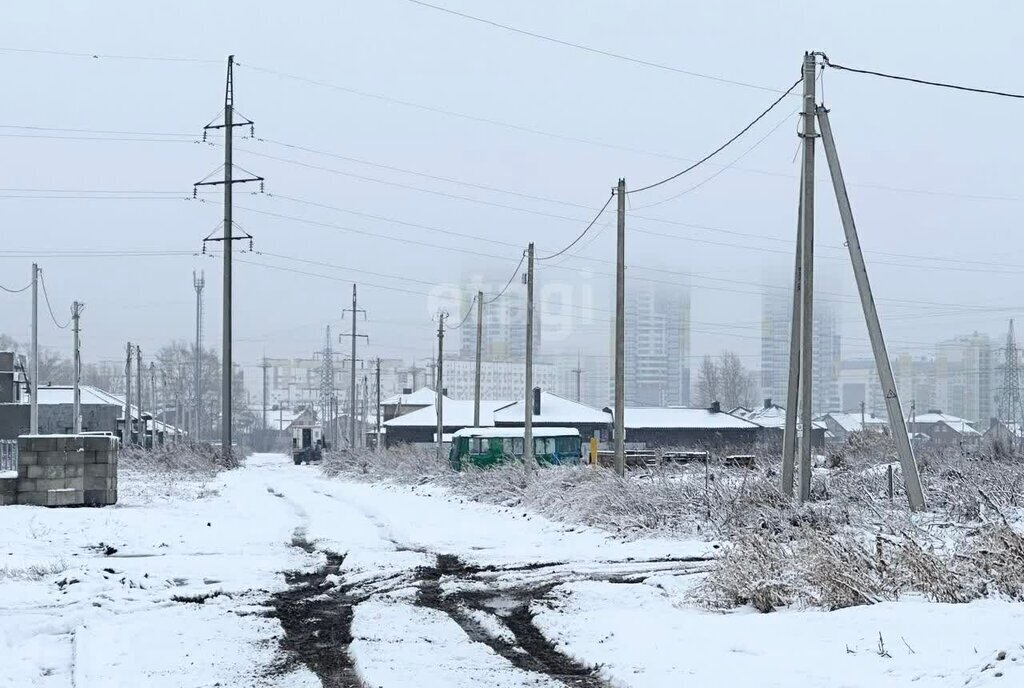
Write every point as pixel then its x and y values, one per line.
pixel 718 150
pixel 469 309
pixel 510 279
pixel 914 80
pixel 589 49
pixel 15 291
pixel 584 232
pixel 49 307
pixel 102 56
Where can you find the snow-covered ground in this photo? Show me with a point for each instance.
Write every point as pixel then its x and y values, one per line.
pixel 278 576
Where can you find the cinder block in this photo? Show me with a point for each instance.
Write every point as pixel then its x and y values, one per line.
pixel 37 443
pixel 7 499
pixel 27 458
pixel 98 470
pixel 26 485
pixel 33 498
pixel 53 458
pixel 54 484
pixel 100 497
pixel 72 471
pixel 99 443
pixel 9 486
pixel 99 483
pixel 65 498
pixel 33 472
pixel 75 458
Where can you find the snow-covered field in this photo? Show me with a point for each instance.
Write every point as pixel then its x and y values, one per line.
pixel 274 575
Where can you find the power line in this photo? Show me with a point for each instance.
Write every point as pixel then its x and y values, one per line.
pixel 469 309
pixel 718 150
pixel 589 49
pixel 510 279
pixel 102 56
pixel 15 291
pixel 923 82
pixel 95 131
pixel 49 307
pixel 584 232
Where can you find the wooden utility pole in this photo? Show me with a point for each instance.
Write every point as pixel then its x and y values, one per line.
pixel 789 437
pixel 439 403
pixel 198 282
pixel 807 278
pixel 126 433
pixel 620 331
pixel 138 396
pixel 376 413
pixel 528 457
pixel 152 400
pixel 352 436
pixel 578 370
pixel 479 352
pixel 76 409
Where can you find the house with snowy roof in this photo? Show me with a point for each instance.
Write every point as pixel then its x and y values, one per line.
pixel 944 429
pixel 407 402
pixel 690 428
pixel 553 411
pixel 841 425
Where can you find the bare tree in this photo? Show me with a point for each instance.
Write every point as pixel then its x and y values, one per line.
pixel 709 383
pixel 737 383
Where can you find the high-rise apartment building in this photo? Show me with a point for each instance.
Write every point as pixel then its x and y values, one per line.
pixel 657 346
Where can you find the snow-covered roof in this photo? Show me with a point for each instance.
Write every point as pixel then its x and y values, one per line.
pixel 456 412
pixel 682 418
pixel 65 394
pixel 553 409
pixel 773 416
pixel 851 422
pixel 424 396
pixel 962 428
pixel 937 417
pixel 515 432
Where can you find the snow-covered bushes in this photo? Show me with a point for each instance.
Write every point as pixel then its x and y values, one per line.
pixel 177 457
pixel 173 470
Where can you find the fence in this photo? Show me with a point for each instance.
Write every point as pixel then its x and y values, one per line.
pixel 8 455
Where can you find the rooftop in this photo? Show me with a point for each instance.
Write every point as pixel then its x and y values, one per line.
pixel 424 396
pixel 455 412
pixel 553 409
pixel 674 417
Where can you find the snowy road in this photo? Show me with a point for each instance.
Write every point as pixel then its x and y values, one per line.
pixel 278 576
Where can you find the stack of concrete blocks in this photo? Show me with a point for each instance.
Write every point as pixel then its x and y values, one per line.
pixel 67 470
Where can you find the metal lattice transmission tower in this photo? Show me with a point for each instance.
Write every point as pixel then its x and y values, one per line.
pixel 1010 406
pixel 326 398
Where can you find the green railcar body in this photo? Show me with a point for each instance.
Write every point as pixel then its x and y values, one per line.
pixel 484 447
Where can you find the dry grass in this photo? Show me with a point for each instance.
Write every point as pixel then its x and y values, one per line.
pixel 852 545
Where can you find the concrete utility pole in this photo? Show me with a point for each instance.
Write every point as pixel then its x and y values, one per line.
pixel 127 430
pixel 352 379
pixel 199 282
pixel 376 413
pixel 34 353
pixel 908 464
pixel 620 332
pixel 228 182
pixel 265 366
pixel 789 437
pixel 76 408
pixel 139 397
pixel 528 457
pixel 479 353
pixel 807 278
pixel 439 403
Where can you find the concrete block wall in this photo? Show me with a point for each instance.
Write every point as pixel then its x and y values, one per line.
pixel 66 470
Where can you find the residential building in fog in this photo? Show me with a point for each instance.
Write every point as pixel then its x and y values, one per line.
pixel 657 345
pixel 504 332
pixel 776 315
pixel 292 382
pixel 965 384
pixel 498 379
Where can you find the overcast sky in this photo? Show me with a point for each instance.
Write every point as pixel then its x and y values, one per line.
pixel 935 174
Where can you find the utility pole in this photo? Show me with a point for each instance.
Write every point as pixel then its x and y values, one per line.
pixel 352 379
pixel 620 331
pixel 578 370
pixel 862 414
pixel 377 413
pixel 265 366
pixel 326 394
pixel 152 399
pixel 439 403
pixel 199 282
pixel 528 458
pixel 898 425
pixel 127 431
pixel 139 397
pixel 789 437
pixel 34 364
pixel 479 354
pixel 1010 405
pixel 228 182
pixel 76 408
pixel 807 277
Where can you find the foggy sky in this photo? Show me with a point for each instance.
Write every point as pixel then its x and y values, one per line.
pixel 960 152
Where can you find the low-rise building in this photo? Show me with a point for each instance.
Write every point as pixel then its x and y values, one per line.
pixel 688 428
pixel 943 429
pixel 840 425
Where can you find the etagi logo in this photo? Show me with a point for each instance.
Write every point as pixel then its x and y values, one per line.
pixel 563 309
